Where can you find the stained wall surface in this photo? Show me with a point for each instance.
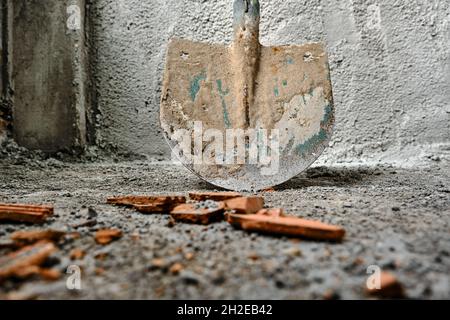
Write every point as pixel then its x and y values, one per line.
pixel 390 65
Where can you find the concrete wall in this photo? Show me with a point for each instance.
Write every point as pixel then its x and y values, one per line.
pixel 390 62
pixel 48 78
pixel 5 103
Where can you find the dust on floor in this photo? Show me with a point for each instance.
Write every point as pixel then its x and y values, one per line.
pixel 396 219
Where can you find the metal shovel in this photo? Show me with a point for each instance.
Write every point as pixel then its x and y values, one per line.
pixel 246 117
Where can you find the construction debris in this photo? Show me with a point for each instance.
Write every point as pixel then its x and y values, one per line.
pixel 204 212
pixel 215 196
pixel 46 274
pixel 149 204
pixel 22 238
pixel 77 254
pixel 390 287
pixel 25 213
pixel 176 268
pixel 273 212
pixel 50 274
pixel 30 256
pixel 106 236
pixel 245 205
pixel 288 226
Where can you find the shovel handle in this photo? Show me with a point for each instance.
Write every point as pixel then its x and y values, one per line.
pixel 246 54
pixel 246 15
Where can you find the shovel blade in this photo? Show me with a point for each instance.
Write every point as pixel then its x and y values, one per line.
pixel 289 122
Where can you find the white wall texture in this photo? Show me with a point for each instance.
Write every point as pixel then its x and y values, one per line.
pixel 390 64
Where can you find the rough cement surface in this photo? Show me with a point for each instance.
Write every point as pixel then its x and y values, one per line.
pixel 395 218
pixel 390 64
pixel 45 106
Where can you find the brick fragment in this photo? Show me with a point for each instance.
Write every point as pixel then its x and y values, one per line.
pixel 77 254
pixel 29 256
pixel 215 196
pixel 176 268
pixel 158 263
pixel 192 213
pixel 272 212
pixel 50 274
pixel 149 204
pixel 288 226
pixel 390 287
pixel 106 236
pixel 26 272
pixel 30 271
pixel 33 236
pixel 25 213
pixel 245 205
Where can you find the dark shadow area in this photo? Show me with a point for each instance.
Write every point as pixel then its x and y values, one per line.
pixel 331 177
pixel 318 177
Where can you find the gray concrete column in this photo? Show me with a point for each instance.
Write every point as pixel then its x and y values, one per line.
pixel 48 73
pixel 5 105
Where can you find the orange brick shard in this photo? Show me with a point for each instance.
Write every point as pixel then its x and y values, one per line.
pixel 25 213
pixel 187 213
pixel 29 237
pixel 390 287
pixel 288 226
pixel 77 254
pixel 215 196
pixel 107 236
pixel 149 204
pixel 272 212
pixel 131 201
pixel 245 205
pixel 26 257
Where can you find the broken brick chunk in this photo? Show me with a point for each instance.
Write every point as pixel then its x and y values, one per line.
pixel 46 274
pixel 245 205
pixel 201 213
pixel 288 226
pixel 390 287
pixel 149 204
pixel 26 272
pixel 29 237
pixel 77 254
pixel 176 268
pixel 26 257
pixel 107 236
pixel 24 213
pixel 215 196
pixel 50 274
pixel 272 212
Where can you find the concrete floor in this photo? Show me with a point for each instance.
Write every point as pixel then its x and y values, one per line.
pixel 395 218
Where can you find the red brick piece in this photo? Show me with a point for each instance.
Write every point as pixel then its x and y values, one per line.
pixel 26 257
pixel 24 213
pixel 77 254
pixel 288 226
pixel 272 212
pixel 245 205
pixel 149 204
pixel 107 236
pixel 215 196
pixel 131 201
pixel 33 236
pixel 189 213
pixel 390 287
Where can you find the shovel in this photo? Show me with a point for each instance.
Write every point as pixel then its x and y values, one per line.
pixel 246 117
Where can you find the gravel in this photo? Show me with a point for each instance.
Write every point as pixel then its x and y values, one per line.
pixel 398 219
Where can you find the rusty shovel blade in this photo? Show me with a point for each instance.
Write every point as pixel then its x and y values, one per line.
pixel 246 117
